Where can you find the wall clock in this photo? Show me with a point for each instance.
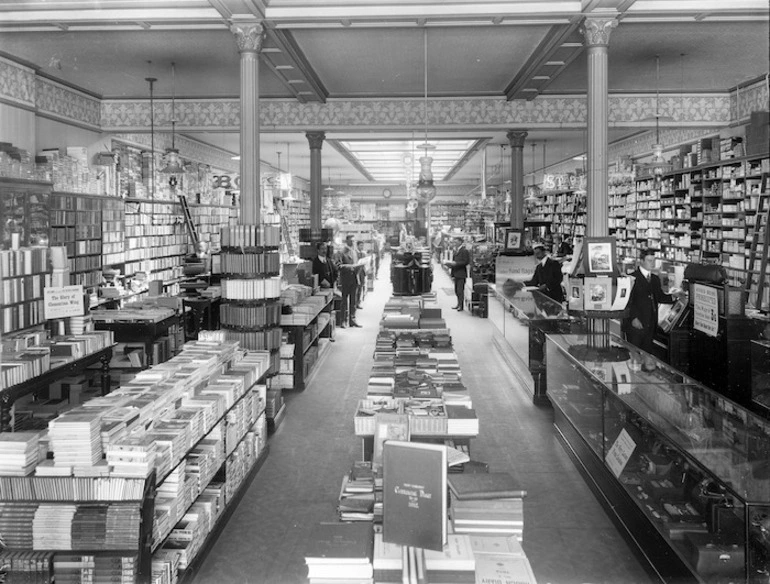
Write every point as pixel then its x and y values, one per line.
pixel 387 193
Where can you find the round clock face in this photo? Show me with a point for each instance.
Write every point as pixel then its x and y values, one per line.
pixel 386 193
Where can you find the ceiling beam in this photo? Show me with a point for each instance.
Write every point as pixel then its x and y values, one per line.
pixel 472 151
pixel 347 155
pixel 552 42
pixel 290 50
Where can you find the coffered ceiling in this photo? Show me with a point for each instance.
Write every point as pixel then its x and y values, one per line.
pixel 317 51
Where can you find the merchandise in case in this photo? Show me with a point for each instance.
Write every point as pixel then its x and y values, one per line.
pixel 685 470
pixel 514 306
pixel 760 375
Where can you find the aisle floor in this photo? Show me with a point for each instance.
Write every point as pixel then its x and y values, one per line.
pixel 568 537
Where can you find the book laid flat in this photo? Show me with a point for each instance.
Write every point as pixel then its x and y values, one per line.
pixel 415 494
pixel 340 543
pixel 492 485
pixel 503 569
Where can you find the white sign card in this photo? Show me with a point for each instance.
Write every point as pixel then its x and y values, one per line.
pixel 621 451
pixel 706 310
pixel 64 301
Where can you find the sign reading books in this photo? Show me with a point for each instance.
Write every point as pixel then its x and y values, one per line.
pixel 621 451
pixel 706 310
pixel 63 301
pixel 414 494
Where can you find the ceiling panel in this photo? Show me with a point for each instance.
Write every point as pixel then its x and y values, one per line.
pixel 387 61
pixel 114 64
pixel 717 57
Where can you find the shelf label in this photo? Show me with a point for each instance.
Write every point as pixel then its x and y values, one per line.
pixel 64 301
pixel 621 451
pixel 706 310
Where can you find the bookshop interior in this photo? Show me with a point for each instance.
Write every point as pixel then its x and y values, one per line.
pixel 359 292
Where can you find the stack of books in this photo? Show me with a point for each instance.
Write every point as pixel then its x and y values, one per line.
pixel 76 438
pixel 18 453
pixel 487 503
pixel 52 527
pixel 394 563
pixel 77 568
pixel 16 524
pixel 340 551
pixel 501 559
pixel 361 494
pixel 26 566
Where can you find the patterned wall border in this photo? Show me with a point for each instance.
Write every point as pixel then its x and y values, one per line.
pixel 17 84
pixel 752 98
pixel 389 114
pixel 58 101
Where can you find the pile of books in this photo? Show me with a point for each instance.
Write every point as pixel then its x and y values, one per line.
pixel 25 566
pixel 487 503
pixel 16 524
pixel 394 563
pixel 77 568
pixel 340 551
pixel 19 452
pixel 75 438
pixel 361 494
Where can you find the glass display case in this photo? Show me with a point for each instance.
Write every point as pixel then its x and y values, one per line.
pixel 513 307
pixel 685 470
pixel 760 374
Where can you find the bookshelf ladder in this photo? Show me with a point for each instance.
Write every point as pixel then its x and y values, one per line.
pixel 759 247
pixel 188 220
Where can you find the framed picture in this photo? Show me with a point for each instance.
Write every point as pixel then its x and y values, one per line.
pixel 513 239
pixel 599 256
pixel 598 293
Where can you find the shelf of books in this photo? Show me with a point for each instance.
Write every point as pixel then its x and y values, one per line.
pixel 307 326
pixel 250 310
pixel 704 210
pixel 564 209
pixel 136 484
pixel 416 508
pixel 76 225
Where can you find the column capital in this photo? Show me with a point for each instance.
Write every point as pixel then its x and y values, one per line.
pixel 516 138
pixel 249 34
pixel 596 30
pixel 315 139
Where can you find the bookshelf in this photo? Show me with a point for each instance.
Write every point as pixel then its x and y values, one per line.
pixel 76 224
pixel 310 322
pixel 704 210
pixel 565 210
pixel 171 477
pixel 24 273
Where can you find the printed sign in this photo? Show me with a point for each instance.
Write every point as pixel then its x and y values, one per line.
pixel 621 451
pixel 706 310
pixel 63 302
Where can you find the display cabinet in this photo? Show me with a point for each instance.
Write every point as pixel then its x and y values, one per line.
pixel 682 469
pixel 511 308
pixel 760 375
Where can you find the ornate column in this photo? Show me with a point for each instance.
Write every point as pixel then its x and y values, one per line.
pixel 249 34
pixel 597 36
pixel 316 141
pixel 516 140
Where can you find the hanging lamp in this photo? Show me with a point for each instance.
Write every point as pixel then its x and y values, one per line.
pixel 173 163
pixel 426 191
pixel 151 81
pixel 532 197
pixel 657 165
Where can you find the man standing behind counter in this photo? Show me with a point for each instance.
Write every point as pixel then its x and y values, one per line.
pixel 547 277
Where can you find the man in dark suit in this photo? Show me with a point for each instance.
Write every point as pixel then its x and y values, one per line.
pixel 323 266
pixel 459 271
pixel 547 277
pixel 348 274
pixel 646 294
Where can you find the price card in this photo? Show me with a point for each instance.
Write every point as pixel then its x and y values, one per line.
pixel 621 451
pixel 706 310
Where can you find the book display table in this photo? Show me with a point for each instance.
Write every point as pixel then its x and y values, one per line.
pixel 683 469
pixel 136 326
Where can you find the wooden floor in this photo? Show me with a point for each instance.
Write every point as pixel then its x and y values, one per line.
pixel 567 535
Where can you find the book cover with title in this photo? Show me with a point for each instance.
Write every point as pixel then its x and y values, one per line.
pixel 415 494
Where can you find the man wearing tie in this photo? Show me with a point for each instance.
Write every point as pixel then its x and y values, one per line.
pixel 459 270
pixel 646 294
pixel 547 277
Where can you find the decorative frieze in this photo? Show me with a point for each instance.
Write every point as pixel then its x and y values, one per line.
pixel 17 84
pixel 69 105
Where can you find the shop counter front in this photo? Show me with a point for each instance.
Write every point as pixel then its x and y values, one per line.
pixel 523 317
pixel 680 468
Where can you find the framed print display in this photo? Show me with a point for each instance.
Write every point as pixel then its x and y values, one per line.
pixel 513 239
pixel 598 293
pixel 599 254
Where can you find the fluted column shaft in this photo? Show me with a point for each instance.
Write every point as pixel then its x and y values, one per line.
pixel 249 34
pixel 516 140
pixel 597 36
pixel 315 140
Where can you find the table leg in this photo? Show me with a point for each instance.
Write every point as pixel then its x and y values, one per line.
pixel 5 414
pixel 105 374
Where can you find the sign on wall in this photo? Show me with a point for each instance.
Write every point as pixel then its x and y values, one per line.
pixel 63 301
pixel 706 310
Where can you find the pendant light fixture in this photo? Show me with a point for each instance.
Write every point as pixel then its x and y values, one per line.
pixel 151 81
pixel 426 191
pixel 658 165
pixel 173 163
pixel 329 188
pixel 287 182
pixel 532 196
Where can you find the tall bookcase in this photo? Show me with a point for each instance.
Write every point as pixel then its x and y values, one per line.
pixel 565 210
pixel 76 224
pixel 156 241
